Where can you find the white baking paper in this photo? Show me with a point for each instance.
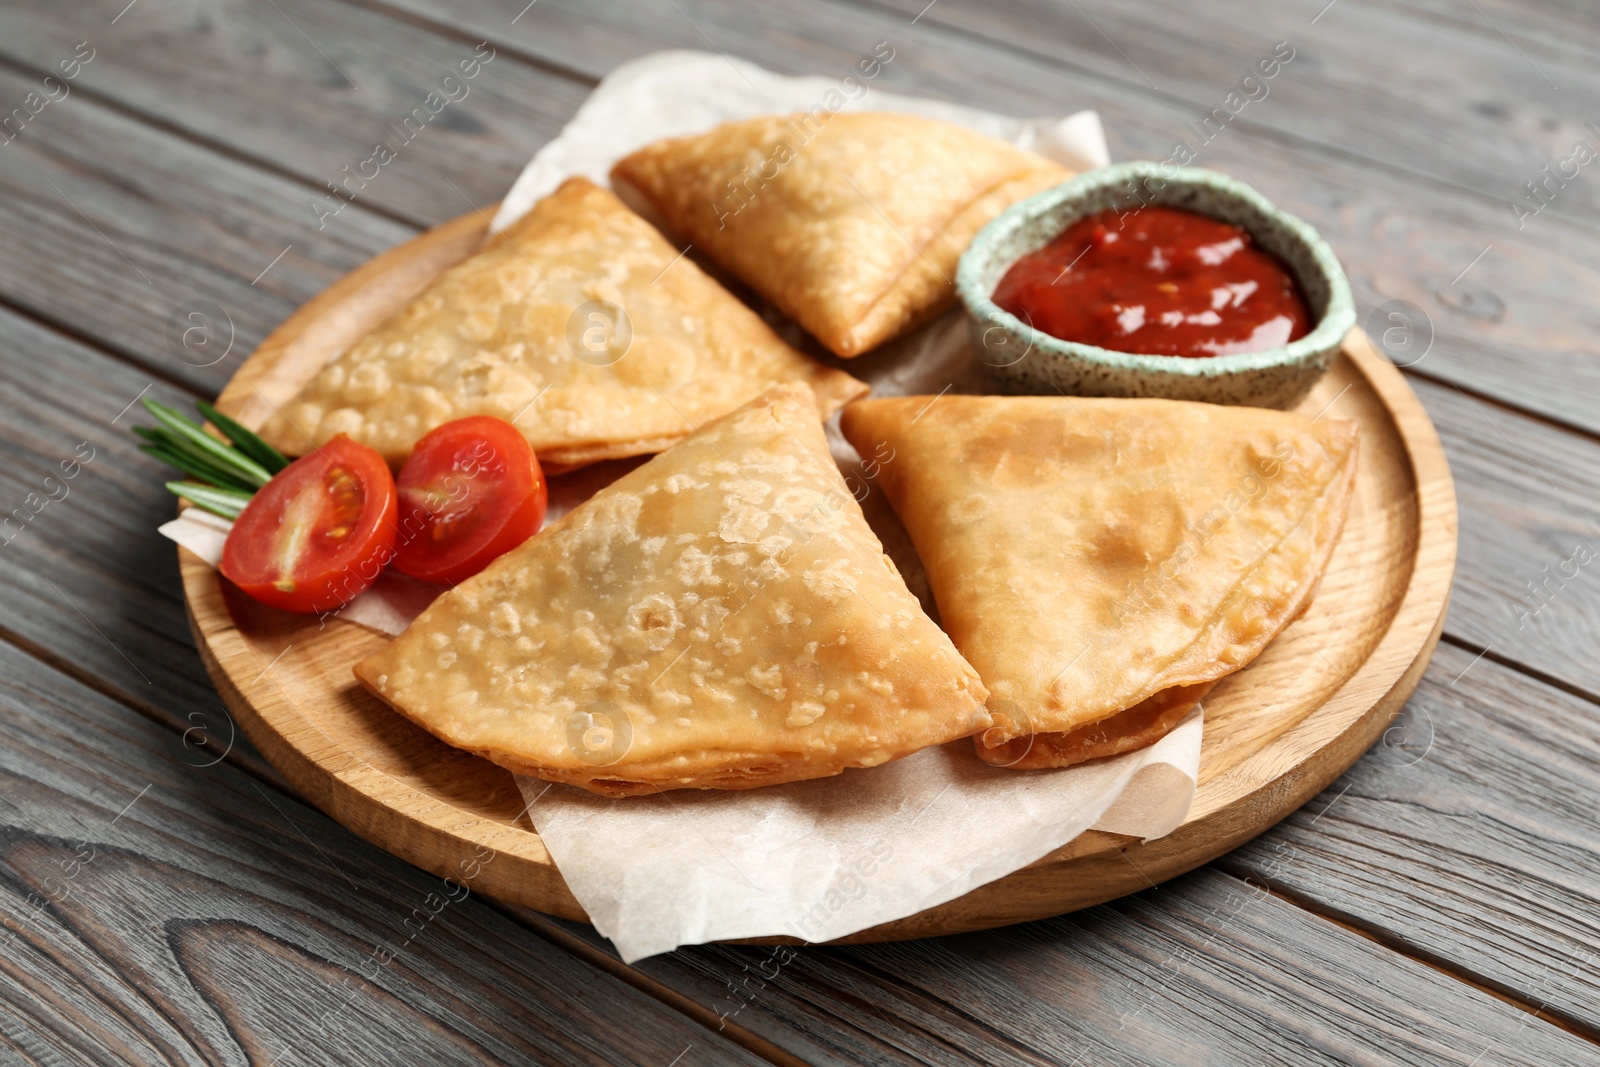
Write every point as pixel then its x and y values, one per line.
pixel 200 532
pixel 822 859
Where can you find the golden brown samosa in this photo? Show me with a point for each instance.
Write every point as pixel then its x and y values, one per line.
pixel 851 224
pixel 719 618
pixel 1102 563
pixel 528 330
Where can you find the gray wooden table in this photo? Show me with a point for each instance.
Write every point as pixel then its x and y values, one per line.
pixel 164 898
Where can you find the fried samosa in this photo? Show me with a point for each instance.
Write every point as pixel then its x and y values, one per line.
pixel 1103 563
pixel 722 617
pixel 850 224
pixel 580 324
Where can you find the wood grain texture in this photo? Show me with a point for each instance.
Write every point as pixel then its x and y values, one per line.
pixel 1532 591
pixel 158 913
pixel 140 223
pixel 1206 969
pixel 1364 80
pixel 327 82
pixel 1276 733
pixel 1468 835
pixel 86 583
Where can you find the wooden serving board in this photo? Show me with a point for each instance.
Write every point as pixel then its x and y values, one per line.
pixel 1276 733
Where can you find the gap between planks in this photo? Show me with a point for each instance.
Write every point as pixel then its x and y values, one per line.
pixel 254 766
pixel 685 1005
pixel 445 30
pixel 1140 88
pixel 1474 393
pixel 936 1005
pixel 1400 947
pixel 101 345
pixel 200 140
pixel 1487 652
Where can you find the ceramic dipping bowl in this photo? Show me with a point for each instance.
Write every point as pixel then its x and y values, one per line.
pixel 1023 360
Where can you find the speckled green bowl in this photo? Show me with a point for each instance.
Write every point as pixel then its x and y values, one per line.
pixel 1024 360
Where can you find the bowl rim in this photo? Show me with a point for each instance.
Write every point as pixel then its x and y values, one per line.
pixel 1335 322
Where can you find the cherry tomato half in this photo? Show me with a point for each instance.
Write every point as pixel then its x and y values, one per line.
pixel 471 492
pixel 318 533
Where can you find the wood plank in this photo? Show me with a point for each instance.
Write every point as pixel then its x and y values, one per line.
pixel 1558 24
pixel 1528 580
pixel 310 88
pixel 1204 969
pixel 156 913
pixel 1468 836
pixel 1518 325
pixel 1366 79
pixel 110 227
pixel 87 580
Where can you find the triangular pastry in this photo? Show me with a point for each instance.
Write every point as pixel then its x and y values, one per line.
pixel 522 331
pixel 1102 563
pixel 851 224
pixel 722 617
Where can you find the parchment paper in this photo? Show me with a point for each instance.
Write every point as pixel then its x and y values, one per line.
pixel 815 860
pixel 822 859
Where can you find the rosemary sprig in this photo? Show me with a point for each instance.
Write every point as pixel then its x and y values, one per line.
pixel 244 440
pixel 225 502
pixel 187 439
pixel 223 474
pixel 202 469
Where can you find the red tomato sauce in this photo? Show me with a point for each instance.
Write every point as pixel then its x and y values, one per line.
pixel 1159 281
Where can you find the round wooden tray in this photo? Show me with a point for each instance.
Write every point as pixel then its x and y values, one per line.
pixel 1276 733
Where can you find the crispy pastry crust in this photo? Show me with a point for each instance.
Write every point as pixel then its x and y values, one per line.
pixel 722 617
pixel 1166 543
pixel 851 224
pixel 1127 731
pixel 510 332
